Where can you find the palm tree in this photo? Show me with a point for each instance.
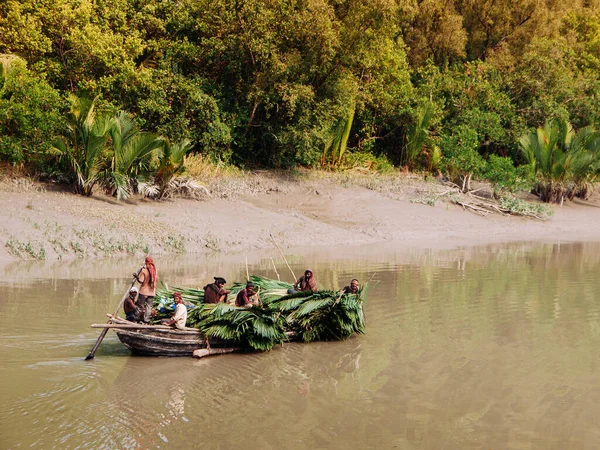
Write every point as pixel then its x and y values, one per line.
pixel 172 157
pixel 84 146
pixel 564 161
pixel 337 142
pixel 418 134
pixel 132 154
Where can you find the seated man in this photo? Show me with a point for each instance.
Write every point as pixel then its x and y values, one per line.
pixel 353 288
pixel 306 282
pixel 214 292
pixel 247 297
pixel 132 312
pixel 180 316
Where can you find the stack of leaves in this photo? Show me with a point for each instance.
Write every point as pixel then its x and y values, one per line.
pixel 323 315
pixel 257 328
pixel 268 289
pixel 311 316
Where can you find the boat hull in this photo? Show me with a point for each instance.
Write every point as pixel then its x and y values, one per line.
pixel 157 341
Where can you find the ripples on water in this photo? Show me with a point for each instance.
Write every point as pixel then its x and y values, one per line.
pixel 492 347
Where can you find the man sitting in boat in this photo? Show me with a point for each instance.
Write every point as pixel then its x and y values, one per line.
pixel 214 292
pixel 306 282
pixel 247 297
pixel 180 316
pixel 353 288
pixel 132 312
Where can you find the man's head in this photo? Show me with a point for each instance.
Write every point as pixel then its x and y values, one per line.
pixel 308 273
pixel 177 297
pixel 133 292
pixel 354 285
pixel 219 281
pixel 250 286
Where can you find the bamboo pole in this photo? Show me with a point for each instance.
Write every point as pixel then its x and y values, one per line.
pixel 275 268
pixel 283 256
pixel 104 331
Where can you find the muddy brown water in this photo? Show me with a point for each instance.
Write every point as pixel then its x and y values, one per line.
pixel 485 347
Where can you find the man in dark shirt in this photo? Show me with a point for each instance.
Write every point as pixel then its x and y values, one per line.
pixel 214 292
pixel 132 312
pixel 353 288
pixel 247 298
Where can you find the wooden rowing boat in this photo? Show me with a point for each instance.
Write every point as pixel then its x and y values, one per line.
pixel 160 340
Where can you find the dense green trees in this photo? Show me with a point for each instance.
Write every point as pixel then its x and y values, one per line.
pixel 429 85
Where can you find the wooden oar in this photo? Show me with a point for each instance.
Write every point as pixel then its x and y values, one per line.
pixel 283 256
pixel 104 331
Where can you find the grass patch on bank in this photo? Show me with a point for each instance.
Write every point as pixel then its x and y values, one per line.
pixel 26 249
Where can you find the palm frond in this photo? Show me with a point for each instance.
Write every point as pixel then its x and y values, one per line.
pixel 321 315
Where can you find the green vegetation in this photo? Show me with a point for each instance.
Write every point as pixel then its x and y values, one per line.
pixel 322 315
pixel 27 250
pixel 127 89
pixel 565 162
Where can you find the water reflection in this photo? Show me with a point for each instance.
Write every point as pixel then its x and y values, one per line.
pixel 491 347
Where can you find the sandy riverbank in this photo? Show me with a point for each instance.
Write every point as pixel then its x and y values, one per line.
pixel 37 222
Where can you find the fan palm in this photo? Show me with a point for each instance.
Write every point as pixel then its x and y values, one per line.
pixel 84 146
pixel 418 134
pixel 132 153
pixel 562 159
pixel 171 163
pixel 337 142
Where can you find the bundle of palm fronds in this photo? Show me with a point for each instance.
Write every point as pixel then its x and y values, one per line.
pixel 258 328
pixel 269 289
pixel 323 315
pixel 311 316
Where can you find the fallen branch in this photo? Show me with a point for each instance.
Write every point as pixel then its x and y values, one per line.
pixel 467 206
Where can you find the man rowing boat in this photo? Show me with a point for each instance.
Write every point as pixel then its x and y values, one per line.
pixel 148 278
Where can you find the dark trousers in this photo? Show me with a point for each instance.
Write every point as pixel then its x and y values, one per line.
pixel 145 303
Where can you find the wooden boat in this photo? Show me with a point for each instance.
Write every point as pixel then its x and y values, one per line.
pixel 160 340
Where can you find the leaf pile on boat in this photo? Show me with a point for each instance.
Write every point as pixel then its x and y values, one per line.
pixel 308 316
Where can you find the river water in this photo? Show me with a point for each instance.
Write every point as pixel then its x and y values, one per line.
pixel 486 347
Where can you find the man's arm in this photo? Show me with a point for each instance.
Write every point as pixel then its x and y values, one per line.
pixel 298 283
pixel 141 277
pixel 178 314
pixel 129 305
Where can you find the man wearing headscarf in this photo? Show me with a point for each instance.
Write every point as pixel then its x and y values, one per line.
pixel 306 282
pixel 180 316
pixel 214 292
pixel 148 279
pixel 132 312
